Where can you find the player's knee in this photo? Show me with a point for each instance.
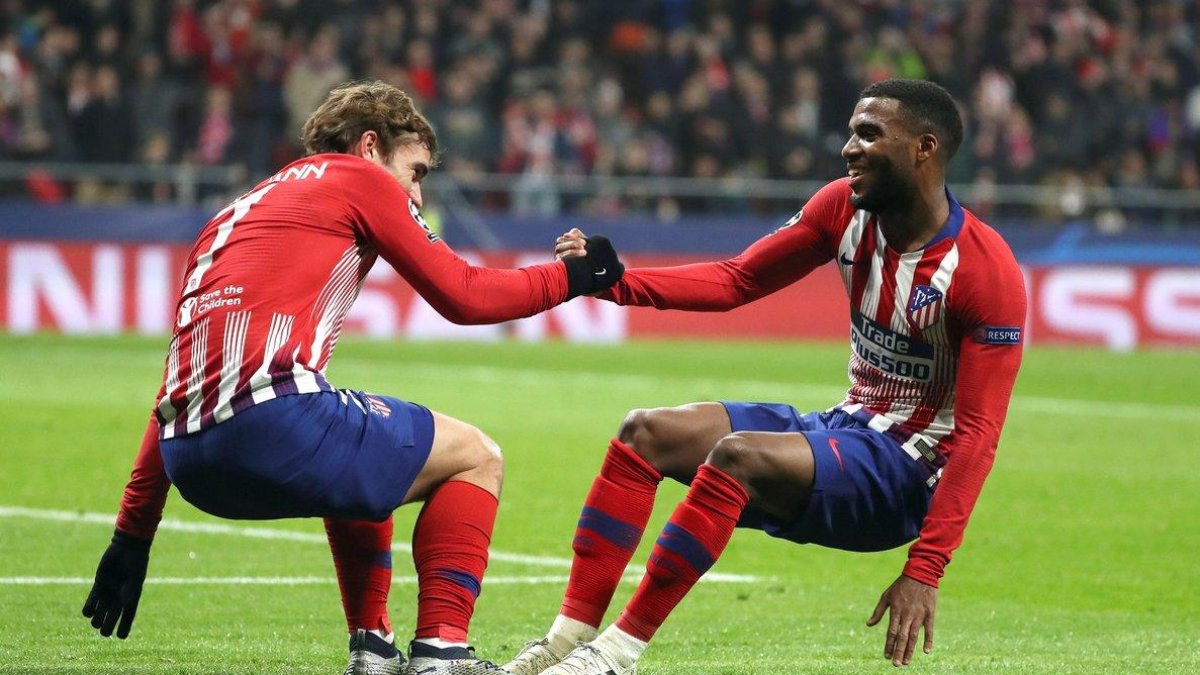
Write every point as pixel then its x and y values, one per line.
pixel 734 454
pixel 643 431
pixel 486 455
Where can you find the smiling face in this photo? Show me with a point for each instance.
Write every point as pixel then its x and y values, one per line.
pixel 882 155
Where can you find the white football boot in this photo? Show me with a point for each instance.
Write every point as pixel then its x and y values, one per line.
pixel 429 660
pixel 372 655
pixel 586 659
pixel 534 657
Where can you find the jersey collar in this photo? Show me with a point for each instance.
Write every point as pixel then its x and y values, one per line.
pixel 953 224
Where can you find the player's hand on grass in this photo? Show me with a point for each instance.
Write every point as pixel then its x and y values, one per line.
pixel 911 606
pixel 592 263
pixel 118 586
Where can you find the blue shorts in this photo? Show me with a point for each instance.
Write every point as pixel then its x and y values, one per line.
pixel 341 454
pixel 868 494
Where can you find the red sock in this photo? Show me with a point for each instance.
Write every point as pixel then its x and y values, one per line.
pixel 610 527
pixel 690 543
pixel 450 549
pixel 362 555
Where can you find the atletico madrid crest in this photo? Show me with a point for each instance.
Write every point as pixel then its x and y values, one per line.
pixel 378 405
pixel 924 307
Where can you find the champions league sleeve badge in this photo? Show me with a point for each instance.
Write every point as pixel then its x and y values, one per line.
pixel 791 221
pixel 416 215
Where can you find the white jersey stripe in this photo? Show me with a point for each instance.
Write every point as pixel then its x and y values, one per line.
pixel 896 390
pixel 944 420
pixel 233 346
pixel 847 407
pixel 348 300
pixel 848 247
pixel 260 381
pixel 906 270
pixel 305 379
pixel 343 309
pixel 901 410
pixel 903 402
pixel 946 355
pixel 870 298
pixel 333 302
pixel 878 422
pixel 195 397
pixel 165 408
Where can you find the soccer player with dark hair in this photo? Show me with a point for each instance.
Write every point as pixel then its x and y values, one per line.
pixel 246 425
pixel 937 305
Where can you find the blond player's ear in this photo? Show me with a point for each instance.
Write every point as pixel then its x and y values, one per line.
pixel 368 144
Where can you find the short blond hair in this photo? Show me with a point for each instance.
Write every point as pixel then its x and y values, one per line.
pixel 356 107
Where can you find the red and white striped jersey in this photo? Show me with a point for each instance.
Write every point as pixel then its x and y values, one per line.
pixel 935 336
pixel 904 355
pixel 272 276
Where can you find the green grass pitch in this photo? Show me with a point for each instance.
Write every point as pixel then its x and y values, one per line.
pixel 1083 555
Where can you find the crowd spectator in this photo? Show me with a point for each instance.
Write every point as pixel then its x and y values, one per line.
pixel 1054 92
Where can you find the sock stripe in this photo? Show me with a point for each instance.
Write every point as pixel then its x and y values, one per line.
pixel 460 578
pixel 614 530
pixel 681 542
pixel 382 559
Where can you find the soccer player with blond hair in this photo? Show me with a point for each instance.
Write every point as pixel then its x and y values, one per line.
pixel 247 426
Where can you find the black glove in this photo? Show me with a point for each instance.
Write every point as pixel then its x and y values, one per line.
pixel 596 271
pixel 118 587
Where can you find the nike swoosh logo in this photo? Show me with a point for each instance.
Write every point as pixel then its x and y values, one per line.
pixel 833 445
pixel 844 260
pixel 602 272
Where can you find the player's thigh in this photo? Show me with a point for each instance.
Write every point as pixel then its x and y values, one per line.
pixel 677 440
pixel 777 469
pixel 460 451
pixel 345 454
pixel 867 493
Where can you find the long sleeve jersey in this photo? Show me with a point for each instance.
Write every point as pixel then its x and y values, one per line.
pixel 268 285
pixel 935 337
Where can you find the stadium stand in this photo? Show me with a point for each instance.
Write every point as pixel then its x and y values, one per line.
pixel 1059 93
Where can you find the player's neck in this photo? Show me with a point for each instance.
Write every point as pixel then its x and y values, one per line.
pixel 912 227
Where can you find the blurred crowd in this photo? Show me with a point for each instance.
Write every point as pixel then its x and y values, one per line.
pixel 1054 92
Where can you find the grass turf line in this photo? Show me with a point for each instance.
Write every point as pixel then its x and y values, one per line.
pixel 1079 559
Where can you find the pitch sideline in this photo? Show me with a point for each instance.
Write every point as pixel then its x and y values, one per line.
pixel 258 532
pixel 826 394
pixel 490 580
